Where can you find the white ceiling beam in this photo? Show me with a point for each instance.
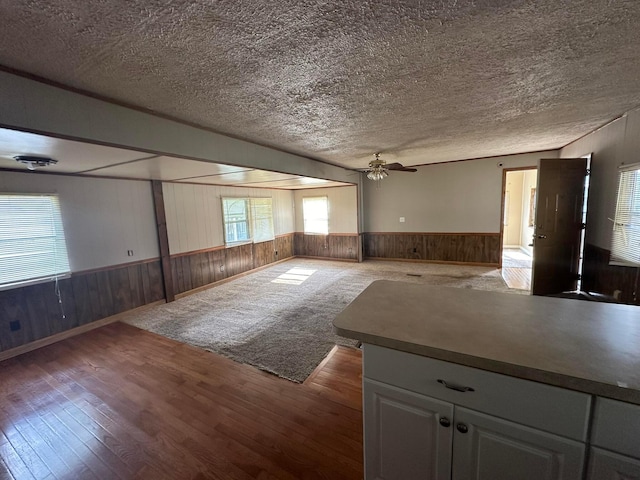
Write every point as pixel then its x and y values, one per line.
pixel 42 108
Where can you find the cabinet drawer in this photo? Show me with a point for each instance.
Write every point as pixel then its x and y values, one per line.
pixel 556 410
pixel 616 427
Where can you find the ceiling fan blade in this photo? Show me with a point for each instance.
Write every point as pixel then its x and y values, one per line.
pixel 398 167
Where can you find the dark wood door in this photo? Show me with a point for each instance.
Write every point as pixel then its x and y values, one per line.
pixel 558 226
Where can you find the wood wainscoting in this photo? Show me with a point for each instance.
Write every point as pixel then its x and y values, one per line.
pixel 33 312
pixel 193 270
pixel 600 277
pixel 334 246
pixel 471 248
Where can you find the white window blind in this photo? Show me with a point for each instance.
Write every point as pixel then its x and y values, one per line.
pixel 247 219
pixel 262 216
pixel 625 243
pixel 315 211
pixel 32 244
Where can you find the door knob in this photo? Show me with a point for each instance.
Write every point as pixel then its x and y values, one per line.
pixel 445 422
pixel 462 428
pixel 542 236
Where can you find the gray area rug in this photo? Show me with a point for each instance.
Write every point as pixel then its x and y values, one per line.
pixel 279 319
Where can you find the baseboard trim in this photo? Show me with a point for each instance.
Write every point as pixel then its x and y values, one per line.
pixel 43 342
pixel 442 262
pixel 334 259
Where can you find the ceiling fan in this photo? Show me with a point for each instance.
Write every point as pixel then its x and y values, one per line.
pixel 378 168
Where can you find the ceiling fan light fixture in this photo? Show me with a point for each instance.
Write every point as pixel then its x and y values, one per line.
pixel 377 173
pixel 32 162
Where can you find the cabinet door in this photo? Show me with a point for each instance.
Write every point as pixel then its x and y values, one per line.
pixel 606 465
pixel 489 448
pixel 404 437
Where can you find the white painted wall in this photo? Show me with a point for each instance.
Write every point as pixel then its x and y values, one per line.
pixel 194 213
pixel 343 208
pixel 513 206
pixel 529 181
pixel 612 145
pixel 454 197
pixel 102 218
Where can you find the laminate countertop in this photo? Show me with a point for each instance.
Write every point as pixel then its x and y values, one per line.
pixel 586 346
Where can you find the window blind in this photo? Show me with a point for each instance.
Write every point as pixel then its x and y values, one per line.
pixel 32 243
pixel 625 243
pixel 315 211
pixel 262 215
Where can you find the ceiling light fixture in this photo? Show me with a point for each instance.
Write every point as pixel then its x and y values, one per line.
pixel 33 162
pixel 377 169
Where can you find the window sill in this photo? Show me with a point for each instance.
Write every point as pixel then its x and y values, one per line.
pixel 33 281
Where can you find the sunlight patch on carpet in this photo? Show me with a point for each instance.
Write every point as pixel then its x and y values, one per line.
pixel 295 276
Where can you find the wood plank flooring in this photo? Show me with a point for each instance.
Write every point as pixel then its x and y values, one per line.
pixel 119 402
pixel 519 278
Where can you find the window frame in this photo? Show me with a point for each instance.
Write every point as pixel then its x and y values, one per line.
pixel 251 219
pixel 625 234
pixel 33 242
pixel 305 221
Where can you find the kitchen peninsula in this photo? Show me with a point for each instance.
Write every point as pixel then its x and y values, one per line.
pixel 462 384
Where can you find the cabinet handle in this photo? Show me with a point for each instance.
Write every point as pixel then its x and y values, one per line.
pixel 445 422
pixel 455 386
pixel 462 428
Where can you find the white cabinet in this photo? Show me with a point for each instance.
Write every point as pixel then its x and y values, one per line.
pixel 409 435
pixel 489 448
pixel 615 454
pixel 605 465
pixel 431 420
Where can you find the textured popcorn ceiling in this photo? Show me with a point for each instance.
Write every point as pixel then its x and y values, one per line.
pixel 421 81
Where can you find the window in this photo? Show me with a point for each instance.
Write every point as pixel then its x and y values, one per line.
pixel 625 244
pixel 247 220
pixel 32 245
pixel 315 211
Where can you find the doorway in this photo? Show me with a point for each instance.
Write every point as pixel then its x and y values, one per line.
pixel 518 219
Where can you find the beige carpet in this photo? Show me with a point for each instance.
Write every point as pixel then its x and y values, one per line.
pixel 279 319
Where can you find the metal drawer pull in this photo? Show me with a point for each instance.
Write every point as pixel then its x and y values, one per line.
pixel 455 386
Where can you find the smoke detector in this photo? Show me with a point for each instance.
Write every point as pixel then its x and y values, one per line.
pixel 33 162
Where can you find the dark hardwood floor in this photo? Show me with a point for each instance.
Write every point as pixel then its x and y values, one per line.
pixel 119 402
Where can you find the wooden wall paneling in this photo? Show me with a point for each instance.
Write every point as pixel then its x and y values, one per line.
pixel 195 268
pixel 263 253
pixel 82 299
pixel 135 285
pixel 284 246
pixel 176 266
pixel 218 261
pixel 120 291
pixel 37 311
pixel 343 246
pixel 186 272
pixel 155 281
pixel 68 306
pixel 104 291
pixel 493 248
pixel 600 277
pixel 13 307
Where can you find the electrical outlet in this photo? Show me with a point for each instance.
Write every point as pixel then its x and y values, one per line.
pixel 276 253
pixel 401 219
pixel 14 325
pixel 415 250
pixel 222 268
pixel 130 253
